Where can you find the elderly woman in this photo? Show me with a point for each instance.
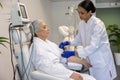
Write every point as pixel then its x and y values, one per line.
pixel 46 55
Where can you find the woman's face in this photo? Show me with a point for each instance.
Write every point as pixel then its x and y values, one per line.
pixel 83 14
pixel 43 31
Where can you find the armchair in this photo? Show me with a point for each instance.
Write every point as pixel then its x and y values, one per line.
pixel 20 41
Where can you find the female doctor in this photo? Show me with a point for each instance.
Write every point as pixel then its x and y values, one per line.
pixel 96 48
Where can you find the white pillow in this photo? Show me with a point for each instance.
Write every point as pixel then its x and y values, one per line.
pixel 74 66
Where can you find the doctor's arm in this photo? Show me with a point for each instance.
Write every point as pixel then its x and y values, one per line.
pixel 70 57
pixel 77 40
pixel 94 43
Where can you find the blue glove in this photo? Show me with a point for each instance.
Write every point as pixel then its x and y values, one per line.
pixel 67 54
pixel 63 44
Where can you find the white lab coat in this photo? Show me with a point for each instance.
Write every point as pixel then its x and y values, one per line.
pixel 93 37
pixel 46 58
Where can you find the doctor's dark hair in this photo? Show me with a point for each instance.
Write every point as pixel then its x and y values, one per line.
pixel 87 5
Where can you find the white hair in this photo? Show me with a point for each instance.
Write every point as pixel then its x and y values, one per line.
pixel 36 24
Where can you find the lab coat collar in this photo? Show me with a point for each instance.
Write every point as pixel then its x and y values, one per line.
pixel 91 20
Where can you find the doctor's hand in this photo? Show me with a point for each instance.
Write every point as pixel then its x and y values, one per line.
pixel 85 63
pixel 63 44
pixel 76 76
pixel 67 54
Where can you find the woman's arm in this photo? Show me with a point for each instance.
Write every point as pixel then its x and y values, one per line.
pixel 76 59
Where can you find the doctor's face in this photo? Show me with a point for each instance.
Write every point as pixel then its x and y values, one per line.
pixel 43 31
pixel 83 14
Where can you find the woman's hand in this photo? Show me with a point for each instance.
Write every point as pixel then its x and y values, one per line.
pixel 76 76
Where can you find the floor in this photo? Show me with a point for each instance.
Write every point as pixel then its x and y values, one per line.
pixel 118 73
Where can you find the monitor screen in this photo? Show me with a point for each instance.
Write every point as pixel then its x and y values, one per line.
pixel 19 14
pixel 23 11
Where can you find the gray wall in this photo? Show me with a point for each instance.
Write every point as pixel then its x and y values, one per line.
pixel 109 15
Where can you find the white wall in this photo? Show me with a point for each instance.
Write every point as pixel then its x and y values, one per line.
pixel 59 17
pixel 37 9
pixel 5 64
pixel 59 8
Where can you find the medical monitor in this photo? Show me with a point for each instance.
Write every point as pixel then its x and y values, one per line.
pixel 19 14
pixel 23 11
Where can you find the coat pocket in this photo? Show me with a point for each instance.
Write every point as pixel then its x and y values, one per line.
pixel 97 60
